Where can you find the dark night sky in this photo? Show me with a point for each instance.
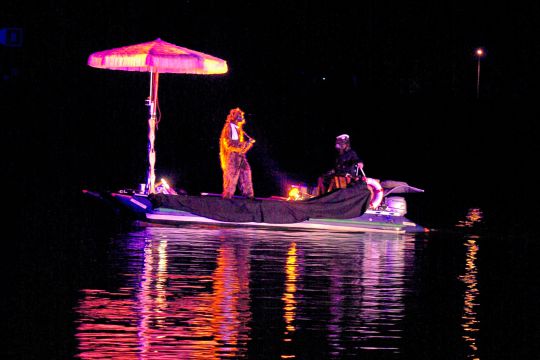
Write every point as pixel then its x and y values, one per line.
pixel 399 77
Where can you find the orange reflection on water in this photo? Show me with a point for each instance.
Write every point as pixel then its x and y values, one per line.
pixel 471 325
pixel 288 298
pixel 290 303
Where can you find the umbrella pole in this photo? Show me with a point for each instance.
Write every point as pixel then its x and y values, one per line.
pixel 151 178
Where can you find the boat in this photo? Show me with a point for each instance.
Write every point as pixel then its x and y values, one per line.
pixel 371 206
pixel 357 206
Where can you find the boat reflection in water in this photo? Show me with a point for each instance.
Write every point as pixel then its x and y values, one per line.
pixel 202 292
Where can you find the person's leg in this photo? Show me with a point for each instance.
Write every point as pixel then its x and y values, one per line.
pixel 321 189
pixel 245 181
pixel 324 183
pixel 230 177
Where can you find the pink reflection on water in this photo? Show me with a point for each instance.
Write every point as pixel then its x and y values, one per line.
pixel 367 292
pixel 162 316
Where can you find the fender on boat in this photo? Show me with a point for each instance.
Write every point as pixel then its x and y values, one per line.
pixel 377 193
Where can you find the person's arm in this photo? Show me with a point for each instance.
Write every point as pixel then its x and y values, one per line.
pixel 355 164
pixel 231 145
pixel 359 167
pixel 247 146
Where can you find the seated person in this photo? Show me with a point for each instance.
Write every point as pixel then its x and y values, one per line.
pixel 348 164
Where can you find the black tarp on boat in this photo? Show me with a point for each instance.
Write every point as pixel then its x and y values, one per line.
pixel 340 204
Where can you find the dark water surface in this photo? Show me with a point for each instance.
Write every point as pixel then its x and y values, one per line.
pixel 201 292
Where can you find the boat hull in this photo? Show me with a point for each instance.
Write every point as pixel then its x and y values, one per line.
pixel 139 208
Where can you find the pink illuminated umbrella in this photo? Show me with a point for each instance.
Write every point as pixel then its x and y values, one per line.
pixel 156 57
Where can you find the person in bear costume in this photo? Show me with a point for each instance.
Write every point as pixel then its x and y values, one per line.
pixel 234 143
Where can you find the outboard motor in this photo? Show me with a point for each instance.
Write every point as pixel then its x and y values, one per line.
pixel 396 204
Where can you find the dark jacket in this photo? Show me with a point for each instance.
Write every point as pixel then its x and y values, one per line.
pixel 346 163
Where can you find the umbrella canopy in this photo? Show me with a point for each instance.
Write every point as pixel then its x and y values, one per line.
pixel 156 57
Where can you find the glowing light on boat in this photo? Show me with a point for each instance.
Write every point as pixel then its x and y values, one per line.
pixel 163 187
pixel 298 192
pixel 294 193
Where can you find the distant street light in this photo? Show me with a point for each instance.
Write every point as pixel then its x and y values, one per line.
pixel 479 55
